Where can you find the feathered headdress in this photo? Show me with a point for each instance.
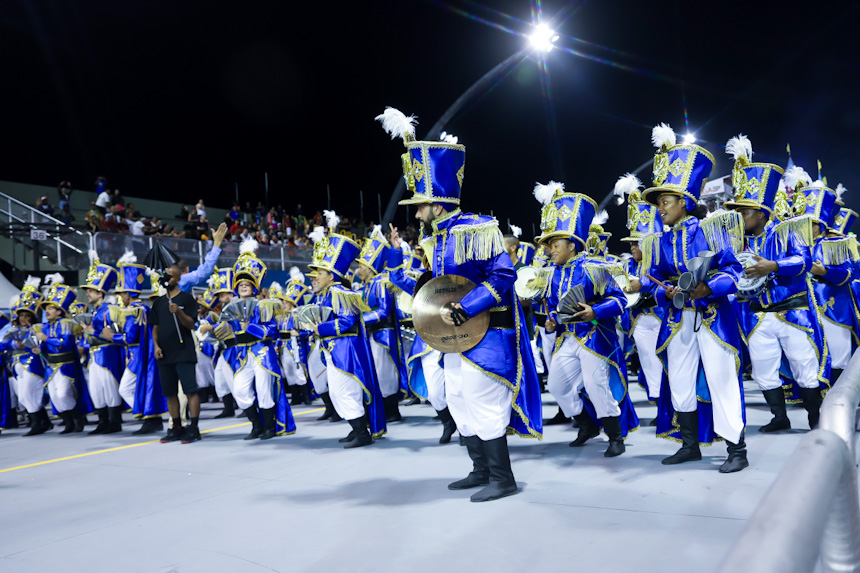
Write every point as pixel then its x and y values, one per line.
pixel 55 278
pixel 94 256
pixel 740 148
pixel 515 231
pixel 249 245
pixel 663 136
pixel 127 257
pixel 317 235
pixel 332 220
pixel 796 177
pixel 840 190
pixel 32 282
pixel 628 186
pixel 296 274
pixel 546 193
pixel 397 124
pixel 448 138
pixel 601 218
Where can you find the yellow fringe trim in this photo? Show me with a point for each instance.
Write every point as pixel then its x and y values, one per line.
pixel 270 309
pixel 602 275
pixel 839 251
pixel 798 227
pixel 477 242
pixel 650 247
pixel 347 300
pixel 724 230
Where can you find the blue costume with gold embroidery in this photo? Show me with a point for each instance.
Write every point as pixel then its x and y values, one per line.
pixel 136 339
pixel 61 355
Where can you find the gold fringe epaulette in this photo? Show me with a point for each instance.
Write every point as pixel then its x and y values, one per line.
pixel 650 247
pixel 69 326
pixel 541 282
pixel 116 314
pixel 348 300
pixel 724 230
pixel 800 228
pixel 602 275
pixel 480 242
pixel 390 286
pixel 270 309
pixel 839 251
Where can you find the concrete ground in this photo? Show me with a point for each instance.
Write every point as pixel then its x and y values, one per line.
pixel 122 503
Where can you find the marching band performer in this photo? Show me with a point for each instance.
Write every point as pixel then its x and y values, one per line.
pixel 105 364
pixel 782 320
pixel 492 387
pixel 207 346
pixel 64 376
pixel 295 357
pixel 8 414
pixel 352 385
pixel 703 332
pixel 222 289
pixel 382 323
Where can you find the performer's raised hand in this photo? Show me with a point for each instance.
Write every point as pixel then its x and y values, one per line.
pixel 395 240
pixel 219 234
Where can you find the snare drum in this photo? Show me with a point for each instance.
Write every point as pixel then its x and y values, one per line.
pixel 750 288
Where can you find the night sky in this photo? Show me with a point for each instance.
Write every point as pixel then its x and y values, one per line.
pixel 180 99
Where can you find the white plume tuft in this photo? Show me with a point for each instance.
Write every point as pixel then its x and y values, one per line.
pixel 818 184
pixel 14 300
pixel 331 218
pixel 448 138
pixel 840 189
pixel 275 286
pixel 795 175
pixel 249 245
pixel 209 282
pixel 545 193
pixel 600 218
pixel 93 255
pixel 296 274
pixel 626 184
pixel 515 231
pixel 663 136
pixel 54 278
pixel 740 146
pixel 396 123
pixel 33 282
pixel 127 258
pixel 317 235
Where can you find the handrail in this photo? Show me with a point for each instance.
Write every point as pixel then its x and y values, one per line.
pixel 813 507
pixel 40 213
pixel 11 216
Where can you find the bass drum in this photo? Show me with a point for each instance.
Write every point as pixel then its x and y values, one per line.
pixel 750 288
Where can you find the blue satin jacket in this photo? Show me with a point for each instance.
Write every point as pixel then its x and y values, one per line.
pixel 383 309
pixel 833 290
pixel 136 339
pixel 61 344
pixel 108 355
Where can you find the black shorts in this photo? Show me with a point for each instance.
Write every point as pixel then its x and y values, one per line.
pixel 172 374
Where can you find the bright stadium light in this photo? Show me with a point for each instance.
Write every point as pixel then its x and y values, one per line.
pixel 543 38
pixel 690 138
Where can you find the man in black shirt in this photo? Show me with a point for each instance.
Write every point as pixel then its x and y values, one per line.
pixel 172 320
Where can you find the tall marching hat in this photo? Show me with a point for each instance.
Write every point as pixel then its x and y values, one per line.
pixel 77 308
pixel 296 289
pixel 374 253
pixel 208 299
pixel 131 275
pixel 525 250
pixel 564 215
pixel 30 297
pixel 679 169
pixel 222 281
pixel 756 185
pixel 100 277
pixel 59 294
pixel 333 253
pixel 642 217
pixel 844 219
pixel 597 242
pixel 814 199
pixel 414 263
pixel 433 170
pixel 248 267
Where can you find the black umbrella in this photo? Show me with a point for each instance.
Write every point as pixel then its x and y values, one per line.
pixel 160 257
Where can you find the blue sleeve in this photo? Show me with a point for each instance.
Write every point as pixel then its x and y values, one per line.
pixel 501 276
pixel 201 273
pixel 394 266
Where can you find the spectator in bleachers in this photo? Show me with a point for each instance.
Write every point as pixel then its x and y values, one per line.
pixel 201 208
pixel 235 213
pixel 183 213
pixel 117 198
pixel 131 212
pixel 64 190
pixel 44 206
pixel 65 214
pixel 103 199
pixel 95 218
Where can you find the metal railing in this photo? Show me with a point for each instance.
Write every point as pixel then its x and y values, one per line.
pixel 812 512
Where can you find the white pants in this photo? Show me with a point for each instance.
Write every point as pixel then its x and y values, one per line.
pixel 434 376
pixel 574 367
pixel 317 370
pixel 301 379
pixel 346 393
pixel 480 405
pixel 30 389
pixel 61 389
pixel 223 377
pixel 645 335
pixel 685 351
pixel 127 385
pixel 253 381
pixel 769 341
pixel 839 344
pixel 386 371
pixel 548 342
pixel 204 371
pixel 289 366
pixel 104 388
pixel 537 354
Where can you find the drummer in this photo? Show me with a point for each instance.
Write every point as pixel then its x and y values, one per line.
pixel 492 388
pixel 779 320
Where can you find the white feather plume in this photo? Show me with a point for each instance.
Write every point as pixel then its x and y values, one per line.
pixel 33 282
pixel 331 218
pixel 275 286
pixel 663 136
pixel 448 138
pixel 626 184
pixel 396 123
pixel 210 282
pixel 54 278
pixel 545 193
pixel 515 231
pixel 317 235
pixel 740 146
pixel 840 190
pixel 296 274
pixel 127 257
pixel 601 218
pixel 377 232
pixel 249 245
pixel 795 175
pixel 93 255
pixel 14 300
pixel 818 184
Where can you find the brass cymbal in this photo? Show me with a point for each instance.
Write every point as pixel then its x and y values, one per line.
pixel 431 314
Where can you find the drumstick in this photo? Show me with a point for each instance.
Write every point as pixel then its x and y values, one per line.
pixel 664 285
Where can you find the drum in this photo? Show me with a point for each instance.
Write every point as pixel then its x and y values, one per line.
pixel 749 288
pixel 632 297
pixel 522 287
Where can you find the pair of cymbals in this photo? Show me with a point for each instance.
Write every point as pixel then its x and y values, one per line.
pixel 431 314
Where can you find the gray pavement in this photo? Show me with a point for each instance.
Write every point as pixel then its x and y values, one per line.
pixel 302 503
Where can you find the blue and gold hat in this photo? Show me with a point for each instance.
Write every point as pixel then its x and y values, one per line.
pixel 295 292
pixel 208 299
pixel 642 217
pixel 59 295
pixel 756 185
pixel 679 169
pixel 564 215
pixel 817 201
pixel 222 281
pixel 248 267
pixel 333 253
pixel 843 221
pixel 414 263
pixel 525 253
pixel 540 259
pixel 77 308
pixel 433 170
pixel 374 253
pixel 131 276
pixel 597 243
pixel 30 297
pixel 100 276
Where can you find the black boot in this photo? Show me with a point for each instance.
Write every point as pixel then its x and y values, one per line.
pixel 737 459
pixel 149 426
pixel 480 474
pixel 268 423
pixel 80 422
pixel 362 435
pixel 587 430
pixel 256 425
pixel 502 483
pixel 305 393
pixel 40 424
pixel 449 426
pixel 775 398
pixel 114 420
pixel 689 452
pixel 612 427
pixel 557 420
pixel 414 401
pixel 348 438
pixel 392 408
pixel 329 408
pixel 102 413
pixel 295 397
pixel 812 404
pixel 229 410
pixel 68 421
pixel 653 422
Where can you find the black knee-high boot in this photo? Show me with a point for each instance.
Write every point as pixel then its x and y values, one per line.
pixel 449 426
pixel 689 452
pixel 587 430
pixel 480 474
pixel 812 404
pixel 362 435
pixel 612 427
pixel 102 413
pixel 256 426
pixel 775 399
pixel 737 459
pixel 502 483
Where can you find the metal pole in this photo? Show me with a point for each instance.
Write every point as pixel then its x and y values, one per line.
pixel 283 263
pixel 534 233
pixel 236 183
pixel 361 205
pixel 267 190
pixel 328 196
pixel 379 201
